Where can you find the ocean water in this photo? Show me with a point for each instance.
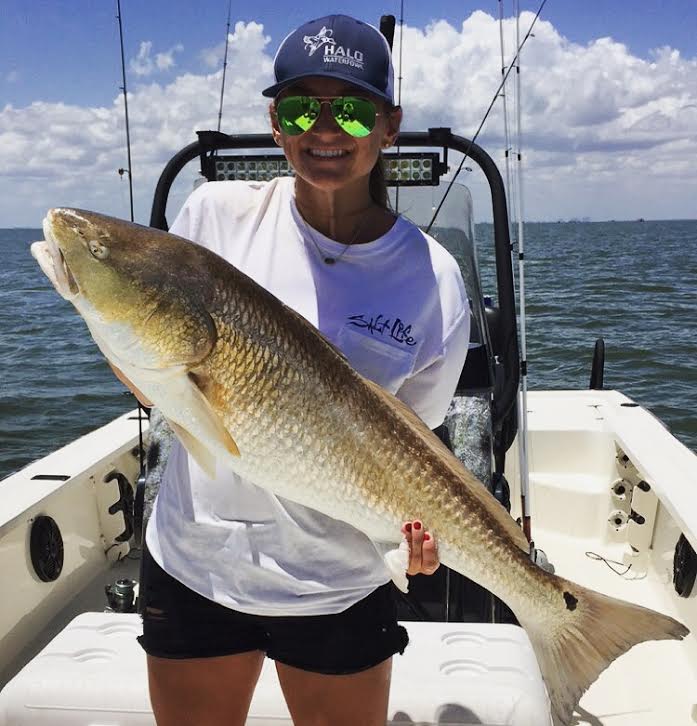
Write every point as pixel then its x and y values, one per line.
pixel 632 283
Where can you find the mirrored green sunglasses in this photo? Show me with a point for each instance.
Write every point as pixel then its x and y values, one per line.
pixel 355 115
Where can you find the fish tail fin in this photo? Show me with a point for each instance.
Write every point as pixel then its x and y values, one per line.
pixel 579 641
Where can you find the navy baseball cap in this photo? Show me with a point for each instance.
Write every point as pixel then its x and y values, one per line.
pixel 336 46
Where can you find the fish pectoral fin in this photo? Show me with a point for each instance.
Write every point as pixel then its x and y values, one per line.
pixel 201 430
pixel 201 455
pixel 397 561
pixel 208 417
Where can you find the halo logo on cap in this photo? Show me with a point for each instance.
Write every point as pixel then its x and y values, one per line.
pixel 336 46
pixel 333 53
pixel 313 42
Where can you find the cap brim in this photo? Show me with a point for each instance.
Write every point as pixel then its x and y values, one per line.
pixel 273 91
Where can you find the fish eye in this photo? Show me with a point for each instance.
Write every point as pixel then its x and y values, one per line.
pixel 98 250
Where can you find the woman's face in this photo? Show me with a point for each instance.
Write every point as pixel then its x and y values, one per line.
pixel 356 156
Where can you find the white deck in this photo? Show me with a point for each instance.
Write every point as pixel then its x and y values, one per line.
pixel 574 441
pixel 94 673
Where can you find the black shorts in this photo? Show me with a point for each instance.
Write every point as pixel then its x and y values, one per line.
pixel 180 623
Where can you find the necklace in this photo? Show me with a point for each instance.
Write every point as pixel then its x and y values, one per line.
pixel 329 259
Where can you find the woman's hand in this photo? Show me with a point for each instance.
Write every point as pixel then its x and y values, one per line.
pixel 423 551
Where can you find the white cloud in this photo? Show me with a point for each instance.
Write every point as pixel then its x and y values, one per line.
pixel 165 61
pixel 595 118
pixel 247 41
pixel 606 134
pixel 12 76
pixel 57 154
pixel 144 65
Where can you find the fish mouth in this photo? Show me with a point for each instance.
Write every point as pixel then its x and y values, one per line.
pixel 53 264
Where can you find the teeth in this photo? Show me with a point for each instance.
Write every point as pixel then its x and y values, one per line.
pixel 327 152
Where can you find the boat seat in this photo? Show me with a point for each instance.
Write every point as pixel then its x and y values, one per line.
pixel 93 674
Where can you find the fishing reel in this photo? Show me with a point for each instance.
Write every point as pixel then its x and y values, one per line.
pixel 121 596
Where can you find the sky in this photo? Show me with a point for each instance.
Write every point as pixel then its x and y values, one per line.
pixel 608 100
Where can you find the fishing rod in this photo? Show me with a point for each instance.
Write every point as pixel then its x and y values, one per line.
pixel 523 398
pixel 507 142
pixel 125 105
pixel 227 43
pixel 399 89
pixel 515 202
pixel 486 115
pixel 140 487
pixel 525 500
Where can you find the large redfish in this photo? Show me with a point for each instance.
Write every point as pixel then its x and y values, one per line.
pixel 247 383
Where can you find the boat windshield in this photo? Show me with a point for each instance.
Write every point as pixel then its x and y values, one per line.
pixel 454 229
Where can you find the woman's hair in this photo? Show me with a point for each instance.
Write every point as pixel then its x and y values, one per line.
pixel 377 184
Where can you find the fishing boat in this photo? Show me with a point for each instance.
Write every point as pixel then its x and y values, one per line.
pixel 610 489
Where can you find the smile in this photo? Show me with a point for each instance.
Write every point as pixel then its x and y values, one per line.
pixel 327 153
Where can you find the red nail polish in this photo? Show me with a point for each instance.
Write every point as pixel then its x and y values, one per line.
pixel 417 525
pixel 407 526
pixel 427 536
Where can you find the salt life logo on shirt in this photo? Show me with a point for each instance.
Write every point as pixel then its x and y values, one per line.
pixel 333 53
pixel 380 325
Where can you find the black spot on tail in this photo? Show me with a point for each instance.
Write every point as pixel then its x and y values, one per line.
pixel 570 600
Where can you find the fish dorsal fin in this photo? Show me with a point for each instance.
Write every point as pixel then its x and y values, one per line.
pixel 338 352
pixel 474 486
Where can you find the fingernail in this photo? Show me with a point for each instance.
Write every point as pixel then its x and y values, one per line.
pixel 427 536
pixel 417 525
pixel 407 526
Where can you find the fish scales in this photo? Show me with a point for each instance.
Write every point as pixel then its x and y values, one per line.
pixel 248 384
pixel 392 477
pixel 293 390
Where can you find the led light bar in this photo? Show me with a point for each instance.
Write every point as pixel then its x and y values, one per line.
pixel 248 168
pixel 412 170
pixel 417 169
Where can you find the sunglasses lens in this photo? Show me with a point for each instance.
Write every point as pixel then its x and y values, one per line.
pixel 297 114
pixel 356 116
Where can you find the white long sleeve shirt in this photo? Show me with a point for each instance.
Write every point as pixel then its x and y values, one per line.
pixel 397 308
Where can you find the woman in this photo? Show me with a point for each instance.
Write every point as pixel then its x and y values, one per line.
pixel 232 572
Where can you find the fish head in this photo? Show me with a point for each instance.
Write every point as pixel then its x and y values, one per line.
pixel 135 287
